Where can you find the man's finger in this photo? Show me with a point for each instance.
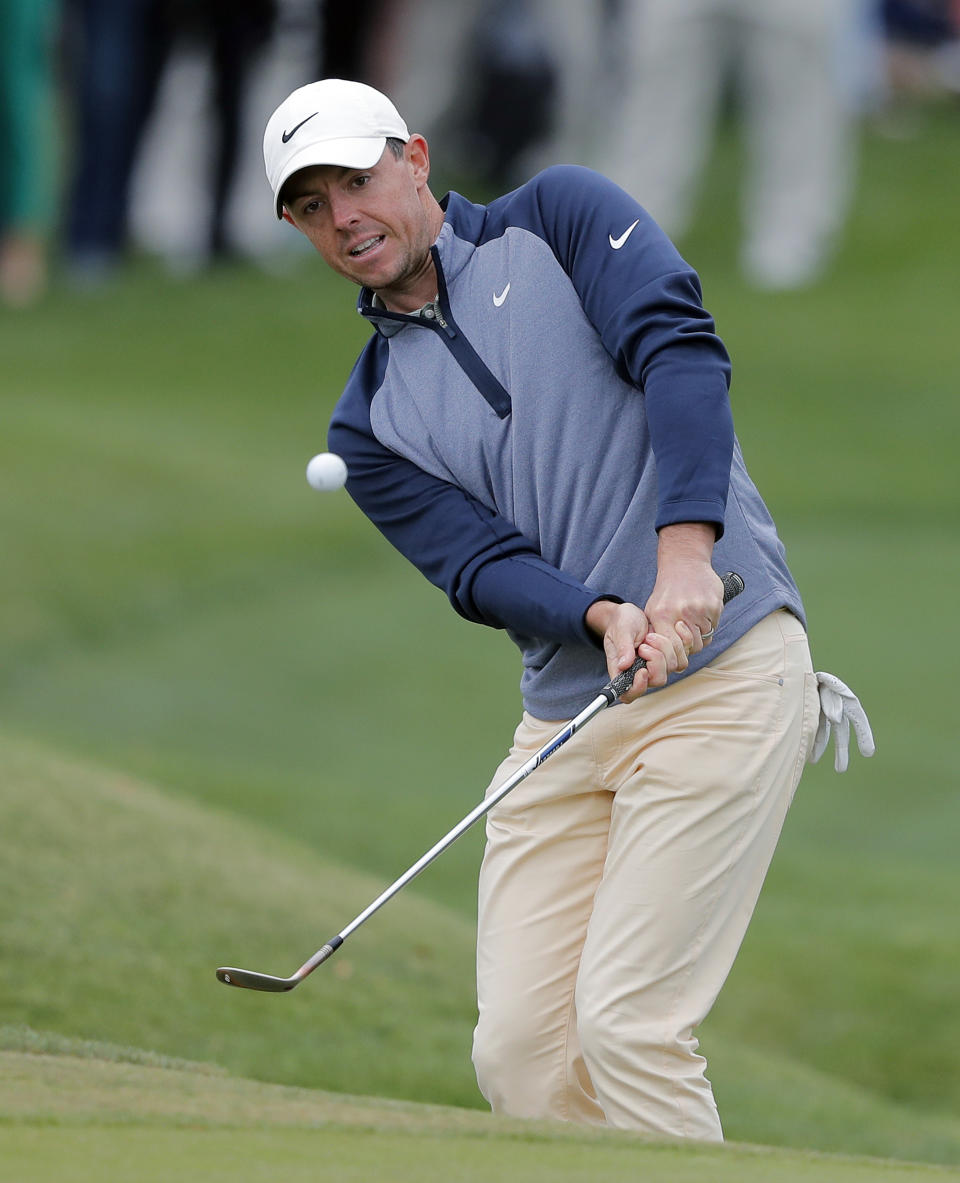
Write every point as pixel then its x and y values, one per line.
pixel 691 637
pixel 660 657
pixel 671 645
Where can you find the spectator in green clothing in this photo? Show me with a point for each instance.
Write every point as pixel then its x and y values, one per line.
pixel 26 132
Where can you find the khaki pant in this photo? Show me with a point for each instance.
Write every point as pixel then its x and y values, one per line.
pixel 618 882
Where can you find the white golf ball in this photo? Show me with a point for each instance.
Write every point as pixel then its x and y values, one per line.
pixel 326 472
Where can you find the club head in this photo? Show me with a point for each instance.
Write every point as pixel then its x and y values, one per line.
pixel 249 980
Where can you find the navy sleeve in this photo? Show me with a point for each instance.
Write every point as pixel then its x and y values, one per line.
pixel 491 573
pixel 646 304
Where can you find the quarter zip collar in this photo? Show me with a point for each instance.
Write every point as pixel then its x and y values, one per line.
pixel 450 255
pixel 389 323
pixel 437 315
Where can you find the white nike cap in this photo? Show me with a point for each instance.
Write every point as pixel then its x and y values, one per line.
pixel 328 122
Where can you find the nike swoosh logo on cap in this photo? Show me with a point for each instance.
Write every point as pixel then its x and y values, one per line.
pixel 617 243
pixel 498 300
pixel 288 135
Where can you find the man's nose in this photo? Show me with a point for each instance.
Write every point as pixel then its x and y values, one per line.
pixel 344 211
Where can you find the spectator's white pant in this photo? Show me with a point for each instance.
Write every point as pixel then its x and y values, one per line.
pixel 618 882
pixel 782 57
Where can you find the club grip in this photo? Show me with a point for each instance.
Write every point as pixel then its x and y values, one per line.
pixel 732 586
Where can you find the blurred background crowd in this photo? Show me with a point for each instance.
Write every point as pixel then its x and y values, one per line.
pixel 135 125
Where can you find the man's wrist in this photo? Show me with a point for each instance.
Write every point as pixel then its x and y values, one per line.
pixel 599 614
pixel 686 542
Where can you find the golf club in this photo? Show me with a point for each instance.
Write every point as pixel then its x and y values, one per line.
pixel 251 980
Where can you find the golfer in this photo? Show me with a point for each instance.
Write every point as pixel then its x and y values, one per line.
pixel 540 422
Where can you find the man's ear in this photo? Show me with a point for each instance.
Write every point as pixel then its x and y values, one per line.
pixel 417 153
pixel 286 217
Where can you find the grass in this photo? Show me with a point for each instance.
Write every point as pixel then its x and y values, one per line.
pixel 231 714
pixel 99 1113
pixel 162 890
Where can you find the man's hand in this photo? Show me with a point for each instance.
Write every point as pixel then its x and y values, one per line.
pixel 626 636
pixel 679 618
pixel 687 598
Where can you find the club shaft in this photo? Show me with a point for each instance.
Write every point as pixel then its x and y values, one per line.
pixel 614 689
pixel 732 586
pixel 473 816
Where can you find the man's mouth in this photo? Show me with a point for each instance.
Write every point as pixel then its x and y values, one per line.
pixel 367 245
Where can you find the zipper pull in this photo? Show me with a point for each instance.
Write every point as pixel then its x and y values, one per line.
pixel 432 312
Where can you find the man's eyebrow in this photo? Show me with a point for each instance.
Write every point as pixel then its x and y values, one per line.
pixel 293 190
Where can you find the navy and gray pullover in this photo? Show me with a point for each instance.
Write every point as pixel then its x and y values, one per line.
pixel 567 398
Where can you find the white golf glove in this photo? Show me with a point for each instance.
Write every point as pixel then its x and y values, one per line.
pixel 839 708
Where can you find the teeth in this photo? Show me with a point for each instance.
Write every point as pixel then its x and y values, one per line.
pixel 363 247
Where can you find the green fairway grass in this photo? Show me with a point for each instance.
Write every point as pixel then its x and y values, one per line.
pixel 230 715
pixel 98 1113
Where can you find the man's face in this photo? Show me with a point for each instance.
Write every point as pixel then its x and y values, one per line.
pixel 373 226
